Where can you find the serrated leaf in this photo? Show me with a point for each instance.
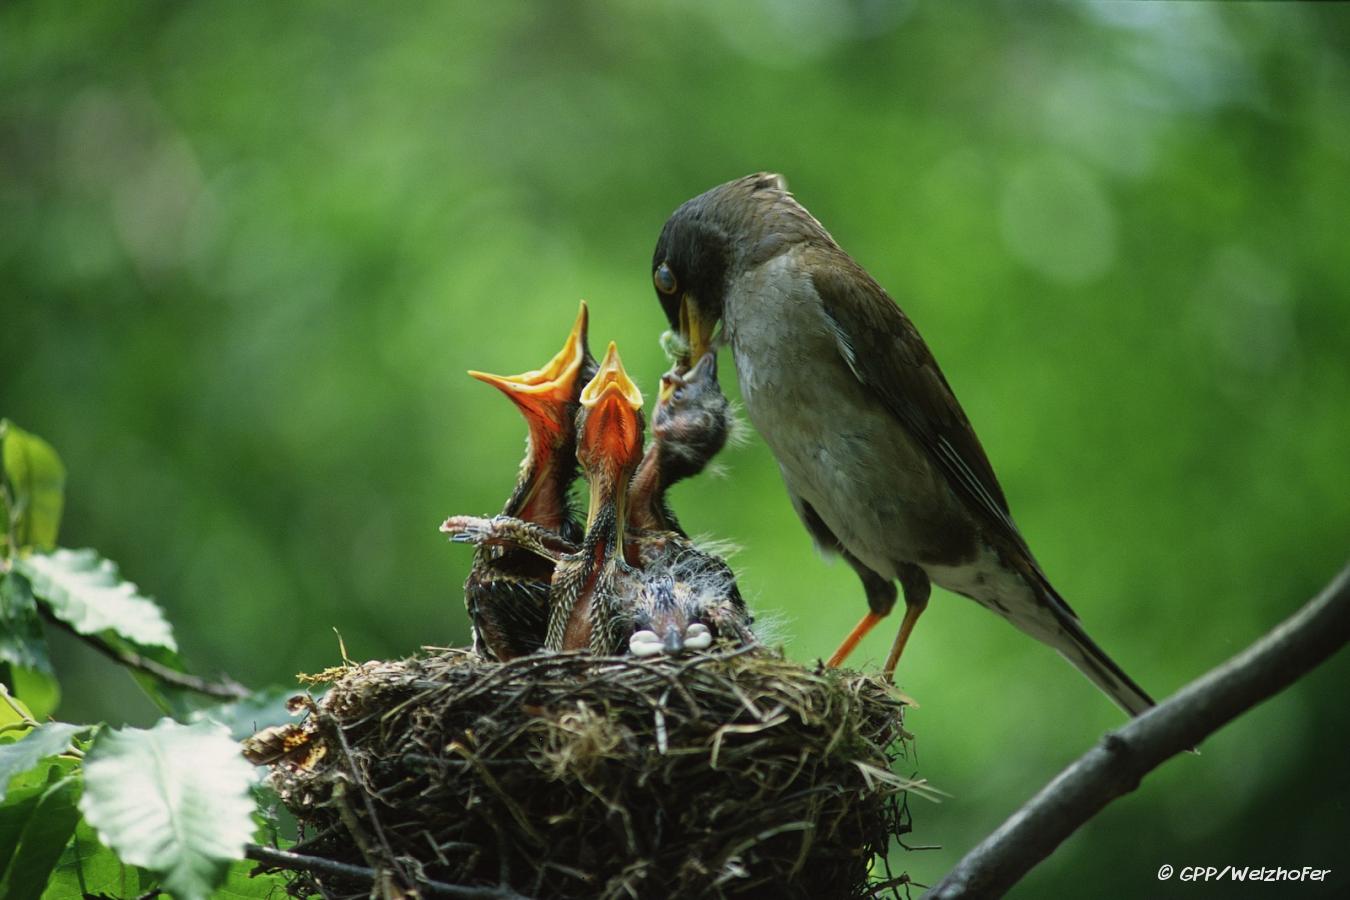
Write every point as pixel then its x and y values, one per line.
pixel 22 642
pixel 173 799
pixel 40 743
pixel 85 591
pixel 38 482
pixel 44 835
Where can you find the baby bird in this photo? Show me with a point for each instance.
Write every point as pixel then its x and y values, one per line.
pixel 592 582
pixel 689 427
pixel 688 598
pixel 507 589
pixel 661 594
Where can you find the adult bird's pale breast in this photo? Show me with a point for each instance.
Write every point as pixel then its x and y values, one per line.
pixel 846 464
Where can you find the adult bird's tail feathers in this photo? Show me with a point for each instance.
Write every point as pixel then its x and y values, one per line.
pixel 1074 644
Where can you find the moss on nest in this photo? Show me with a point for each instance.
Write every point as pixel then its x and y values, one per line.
pixel 729 774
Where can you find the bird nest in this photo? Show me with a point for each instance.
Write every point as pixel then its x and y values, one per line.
pixel 734 773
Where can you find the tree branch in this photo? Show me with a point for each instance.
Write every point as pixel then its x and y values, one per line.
pixel 1117 764
pixel 223 690
pixel 285 859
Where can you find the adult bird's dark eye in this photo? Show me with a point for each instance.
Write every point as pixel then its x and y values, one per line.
pixel 664 278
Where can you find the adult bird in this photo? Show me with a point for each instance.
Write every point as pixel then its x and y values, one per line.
pixel 507 590
pixel 880 461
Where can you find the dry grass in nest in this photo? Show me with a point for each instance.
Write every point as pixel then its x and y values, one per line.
pixel 729 774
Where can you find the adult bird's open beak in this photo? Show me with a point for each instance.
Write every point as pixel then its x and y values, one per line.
pixel 543 394
pixel 696 329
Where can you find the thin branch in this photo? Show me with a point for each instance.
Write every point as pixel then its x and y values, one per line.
pixel 1117 764
pixel 285 859
pixel 222 690
pixel 24 717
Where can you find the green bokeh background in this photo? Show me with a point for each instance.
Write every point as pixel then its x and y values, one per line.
pixel 248 250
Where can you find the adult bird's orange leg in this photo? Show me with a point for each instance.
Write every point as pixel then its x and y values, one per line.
pixel 859 631
pixel 916 588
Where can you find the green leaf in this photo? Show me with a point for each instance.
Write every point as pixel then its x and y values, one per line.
pixel 173 799
pixel 241 885
pixel 40 743
pixel 39 690
pixel 44 835
pixel 85 591
pixel 14 815
pixel 25 795
pixel 14 711
pixel 37 480
pixel 22 642
pixel 88 867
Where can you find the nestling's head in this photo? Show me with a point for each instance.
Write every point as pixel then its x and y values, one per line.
pixel 547 397
pixel 609 423
pixel 692 419
pixel 673 615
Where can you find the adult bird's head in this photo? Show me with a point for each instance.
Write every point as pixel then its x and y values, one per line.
pixel 711 239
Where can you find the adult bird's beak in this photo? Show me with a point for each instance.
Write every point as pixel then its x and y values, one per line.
pixel 695 328
pixel 543 394
pixel 613 430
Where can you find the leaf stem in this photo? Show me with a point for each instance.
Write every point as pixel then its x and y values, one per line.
pixel 227 689
pixel 18 710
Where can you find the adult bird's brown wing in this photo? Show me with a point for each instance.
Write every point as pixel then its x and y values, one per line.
pixel 885 353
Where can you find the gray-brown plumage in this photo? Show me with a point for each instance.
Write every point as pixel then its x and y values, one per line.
pixel 881 462
pixel 507 590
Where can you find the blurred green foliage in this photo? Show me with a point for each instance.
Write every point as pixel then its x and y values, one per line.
pixel 247 251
